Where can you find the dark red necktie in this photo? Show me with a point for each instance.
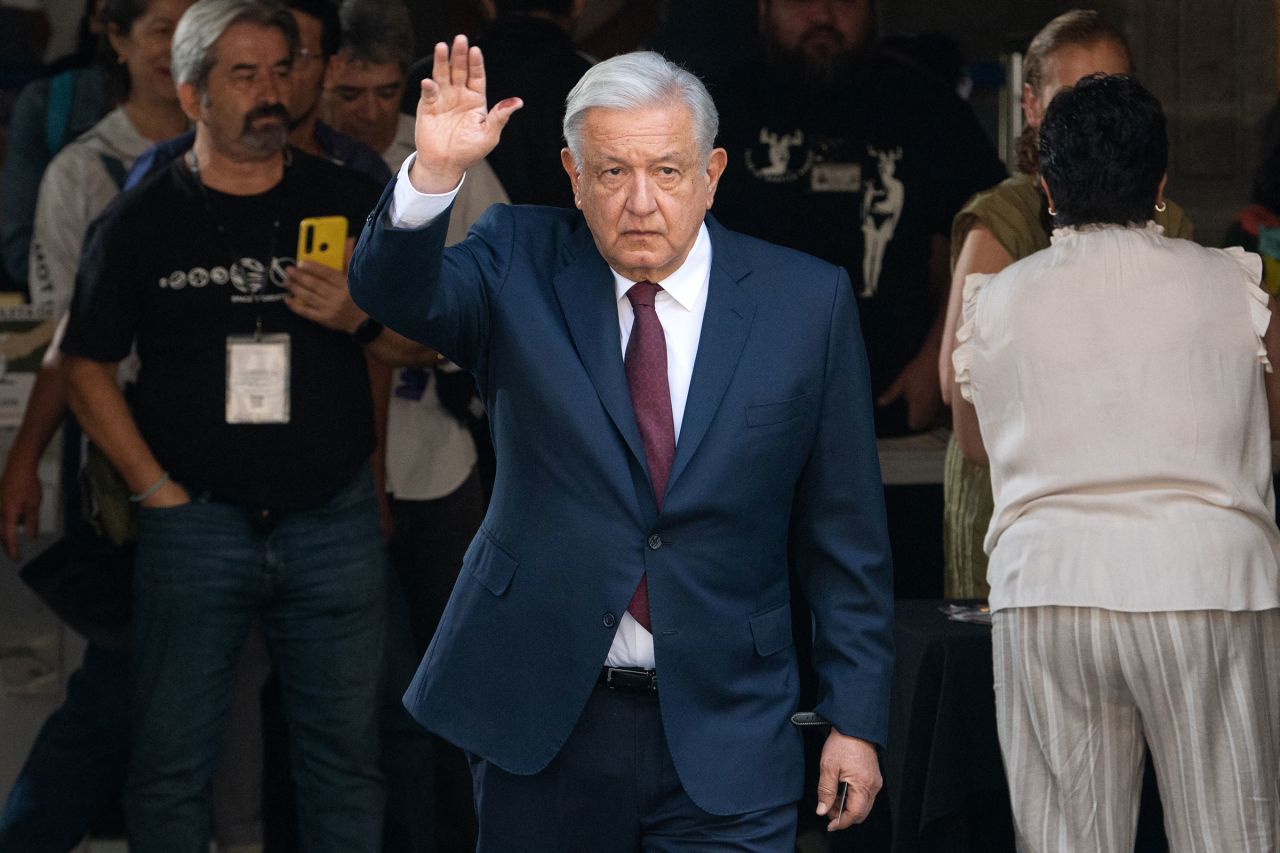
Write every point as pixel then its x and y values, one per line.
pixel 646 366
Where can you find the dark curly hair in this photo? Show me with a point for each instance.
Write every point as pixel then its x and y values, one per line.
pixel 1103 150
pixel 1079 27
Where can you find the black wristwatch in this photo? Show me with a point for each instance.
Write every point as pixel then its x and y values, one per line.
pixel 367 331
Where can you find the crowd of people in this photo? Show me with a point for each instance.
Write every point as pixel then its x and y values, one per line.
pixel 527 507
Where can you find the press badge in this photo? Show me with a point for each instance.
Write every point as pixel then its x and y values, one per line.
pixel 258 379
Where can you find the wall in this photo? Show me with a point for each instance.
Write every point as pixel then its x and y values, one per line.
pixel 1213 65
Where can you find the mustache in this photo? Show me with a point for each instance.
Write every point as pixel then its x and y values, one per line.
pixel 823 30
pixel 266 111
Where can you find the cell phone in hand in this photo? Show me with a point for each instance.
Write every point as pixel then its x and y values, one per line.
pixel 323 239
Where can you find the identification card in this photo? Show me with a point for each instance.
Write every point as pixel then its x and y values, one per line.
pixel 258 379
pixel 836 178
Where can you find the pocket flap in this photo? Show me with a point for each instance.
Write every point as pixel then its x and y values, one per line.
pixel 772 629
pixel 772 413
pixel 489 563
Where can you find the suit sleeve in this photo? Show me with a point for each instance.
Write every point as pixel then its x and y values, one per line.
pixel 842 544
pixel 407 280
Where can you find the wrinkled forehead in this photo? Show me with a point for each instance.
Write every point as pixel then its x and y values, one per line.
pixel 663 129
pixel 250 45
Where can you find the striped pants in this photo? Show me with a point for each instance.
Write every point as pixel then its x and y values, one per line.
pixel 1080 692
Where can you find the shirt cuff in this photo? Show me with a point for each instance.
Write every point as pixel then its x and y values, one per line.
pixel 412 209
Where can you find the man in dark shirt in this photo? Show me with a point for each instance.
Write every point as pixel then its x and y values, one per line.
pixel 246 443
pixel 862 161
pixel 319 34
pixel 528 52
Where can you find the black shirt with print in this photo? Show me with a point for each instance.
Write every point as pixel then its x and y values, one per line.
pixel 178 268
pixel 863 177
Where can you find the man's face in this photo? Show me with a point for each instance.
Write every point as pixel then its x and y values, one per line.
pixel 308 68
pixel 642 187
pixel 820 37
pixel 243 107
pixel 362 99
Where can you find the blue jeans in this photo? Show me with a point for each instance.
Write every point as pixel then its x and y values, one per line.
pixel 316 580
pixel 77 764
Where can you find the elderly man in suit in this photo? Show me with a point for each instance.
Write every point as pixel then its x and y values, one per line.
pixel 678 412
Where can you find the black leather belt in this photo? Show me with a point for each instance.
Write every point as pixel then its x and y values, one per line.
pixel 628 679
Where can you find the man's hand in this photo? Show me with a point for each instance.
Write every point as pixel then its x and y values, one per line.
pixel 851 760
pixel 454 128
pixel 20 495
pixel 918 383
pixel 320 294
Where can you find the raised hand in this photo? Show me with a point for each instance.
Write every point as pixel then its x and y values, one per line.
pixel 454 128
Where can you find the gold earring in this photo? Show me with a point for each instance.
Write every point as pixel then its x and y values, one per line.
pixel 1052 211
pixel 1161 206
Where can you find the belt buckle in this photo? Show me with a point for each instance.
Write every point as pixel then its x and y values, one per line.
pixel 630 680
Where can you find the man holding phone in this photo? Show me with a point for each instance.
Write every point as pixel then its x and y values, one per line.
pixel 245 444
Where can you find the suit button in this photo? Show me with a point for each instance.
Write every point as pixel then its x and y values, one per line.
pixel 608 620
pixel 655 541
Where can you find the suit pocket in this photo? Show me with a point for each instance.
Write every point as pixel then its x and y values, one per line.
pixel 772 629
pixel 492 566
pixel 763 414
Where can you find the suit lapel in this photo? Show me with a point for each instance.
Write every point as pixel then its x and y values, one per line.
pixel 584 288
pixel 725 327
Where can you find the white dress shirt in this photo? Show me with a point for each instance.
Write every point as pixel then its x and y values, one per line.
pixel 680 306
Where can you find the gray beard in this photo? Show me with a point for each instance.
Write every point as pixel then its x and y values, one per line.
pixel 268 140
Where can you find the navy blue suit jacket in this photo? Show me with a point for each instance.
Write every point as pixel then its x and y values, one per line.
pixel 776 448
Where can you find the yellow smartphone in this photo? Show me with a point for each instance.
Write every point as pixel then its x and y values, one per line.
pixel 323 239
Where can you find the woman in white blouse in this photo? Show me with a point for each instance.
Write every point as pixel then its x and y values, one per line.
pixel 1122 394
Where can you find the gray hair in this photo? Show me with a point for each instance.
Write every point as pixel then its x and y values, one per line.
pixel 378 32
pixel 192 55
pixel 636 81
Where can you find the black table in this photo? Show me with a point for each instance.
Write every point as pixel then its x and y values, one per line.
pixel 944 780
pixel 943 776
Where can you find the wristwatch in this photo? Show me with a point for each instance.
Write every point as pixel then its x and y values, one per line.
pixel 367 331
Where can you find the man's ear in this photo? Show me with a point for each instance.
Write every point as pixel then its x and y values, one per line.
pixel 189 97
pixel 716 162
pixel 571 169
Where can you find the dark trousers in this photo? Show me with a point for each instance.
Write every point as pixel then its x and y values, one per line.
pixel 316 581
pixel 614 789
pixel 426 554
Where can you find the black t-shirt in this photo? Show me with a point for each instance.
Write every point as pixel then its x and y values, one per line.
pixel 862 178
pixel 158 269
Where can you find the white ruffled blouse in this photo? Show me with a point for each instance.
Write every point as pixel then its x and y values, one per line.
pixel 1118 381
